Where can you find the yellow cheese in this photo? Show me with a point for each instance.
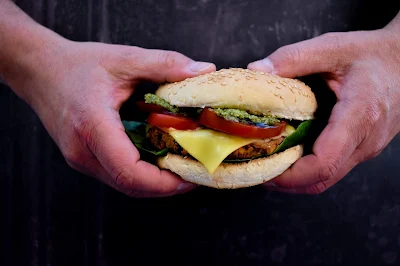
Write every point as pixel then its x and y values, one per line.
pixel 208 146
pixel 211 147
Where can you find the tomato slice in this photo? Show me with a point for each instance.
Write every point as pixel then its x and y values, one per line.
pixel 210 119
pixel 150 107
pixel 171 120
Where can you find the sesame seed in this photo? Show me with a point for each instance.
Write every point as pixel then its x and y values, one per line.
pixel 224 83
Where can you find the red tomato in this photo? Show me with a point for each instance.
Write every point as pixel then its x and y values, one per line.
pixel 150 107
pixel 210 119
pixel 170 120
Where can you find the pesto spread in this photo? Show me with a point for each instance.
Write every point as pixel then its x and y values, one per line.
pixel 154 99
pixel 237 115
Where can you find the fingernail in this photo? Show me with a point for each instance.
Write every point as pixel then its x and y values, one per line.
pixel 262 65
pixel 185 187
pixel 197 67
pixel 270 184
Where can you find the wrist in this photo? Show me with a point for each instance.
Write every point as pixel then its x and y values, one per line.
pixel 27 48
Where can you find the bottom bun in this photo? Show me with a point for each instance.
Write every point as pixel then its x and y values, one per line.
pixel 232 175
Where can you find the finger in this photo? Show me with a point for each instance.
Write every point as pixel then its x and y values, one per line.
pixel 121 160
pixel 331 150
pixel 162 66
pixel 317 55
pixel 321 187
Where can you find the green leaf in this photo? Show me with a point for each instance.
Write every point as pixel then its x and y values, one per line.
pixel 295 138
pixel 137 134
pixel 292 140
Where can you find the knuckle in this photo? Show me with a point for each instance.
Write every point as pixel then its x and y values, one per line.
pixel 291 54
pixel 120 178
pixel 376 150
pixel 328 170
pixel 317 189
pixel 372 113
pixel 86 130
pixel 74 159
pixel 128 51
pixel 168 59
pixel 333 39
pixel 334 45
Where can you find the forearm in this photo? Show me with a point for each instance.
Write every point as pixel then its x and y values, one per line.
pixel 25 46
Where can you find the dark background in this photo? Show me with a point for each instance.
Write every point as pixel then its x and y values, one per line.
pixel 52 215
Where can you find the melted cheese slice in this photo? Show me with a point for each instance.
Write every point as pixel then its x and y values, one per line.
pixel 209 147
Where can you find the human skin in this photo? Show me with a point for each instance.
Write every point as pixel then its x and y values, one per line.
pixel 363 69
pixel 77 89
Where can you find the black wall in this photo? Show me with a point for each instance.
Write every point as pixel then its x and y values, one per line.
pixel 52 215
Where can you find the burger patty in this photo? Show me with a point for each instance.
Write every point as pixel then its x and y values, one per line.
pixel 162 140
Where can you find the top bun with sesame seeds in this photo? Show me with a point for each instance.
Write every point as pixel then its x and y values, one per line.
pixel 253 91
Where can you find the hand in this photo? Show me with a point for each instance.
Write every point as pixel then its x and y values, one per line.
pixel 77 93
pixel 362 69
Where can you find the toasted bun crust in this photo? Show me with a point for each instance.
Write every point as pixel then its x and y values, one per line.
pixel 256 92
pixel 232 175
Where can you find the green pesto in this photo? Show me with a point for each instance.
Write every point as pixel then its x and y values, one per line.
pixel 154 99
pixel 243 116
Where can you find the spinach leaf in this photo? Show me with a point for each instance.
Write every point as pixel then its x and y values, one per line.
pixel 295 138
pixel 137 134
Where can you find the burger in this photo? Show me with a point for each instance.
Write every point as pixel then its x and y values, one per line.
pixel 231 128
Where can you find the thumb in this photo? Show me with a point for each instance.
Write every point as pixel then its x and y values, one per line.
pixel 165 66
pixel 323 54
